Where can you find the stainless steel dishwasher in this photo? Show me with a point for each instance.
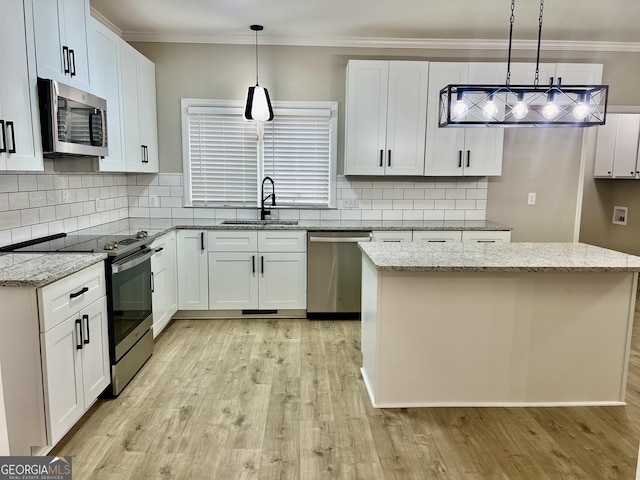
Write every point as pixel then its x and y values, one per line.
pixel 334 274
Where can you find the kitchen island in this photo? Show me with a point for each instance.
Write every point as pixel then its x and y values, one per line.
pixel 515 324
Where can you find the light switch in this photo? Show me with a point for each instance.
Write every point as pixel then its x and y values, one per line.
pixel 531 199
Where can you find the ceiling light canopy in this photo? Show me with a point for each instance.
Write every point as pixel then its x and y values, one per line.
pixel 555 105
pixel 257 103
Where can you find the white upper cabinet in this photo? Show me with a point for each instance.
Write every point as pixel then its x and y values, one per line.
pixel 462 151
pixel 579 73
pixel 62 41
pixel 20 143
pixel 617 147
pixel 385 117
pixel 139 117
pixel 105 70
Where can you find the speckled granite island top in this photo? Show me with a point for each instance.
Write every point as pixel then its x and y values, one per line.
pixel 39 269
pixel 497 257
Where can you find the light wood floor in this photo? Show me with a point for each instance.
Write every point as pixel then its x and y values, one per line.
pixel 234 399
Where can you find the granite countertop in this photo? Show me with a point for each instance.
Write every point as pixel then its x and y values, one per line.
pixel 40 269
pixel 497 257
pixel 158 226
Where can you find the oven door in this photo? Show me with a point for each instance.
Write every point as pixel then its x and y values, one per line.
pixel 131 300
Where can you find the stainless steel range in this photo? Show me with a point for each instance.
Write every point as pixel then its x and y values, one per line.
pixel 129 285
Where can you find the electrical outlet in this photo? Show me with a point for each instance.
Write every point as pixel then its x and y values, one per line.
pixel 351 202
pixel 531 199
pixel 153 200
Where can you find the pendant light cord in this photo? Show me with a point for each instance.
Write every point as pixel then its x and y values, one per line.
pixel 256 58
pixel 537 79
pixel 513 6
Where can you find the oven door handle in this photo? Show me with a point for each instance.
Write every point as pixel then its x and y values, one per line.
pixel 132 261
pixel 339 239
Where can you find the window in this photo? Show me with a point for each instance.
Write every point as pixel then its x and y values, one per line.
pixel 226 157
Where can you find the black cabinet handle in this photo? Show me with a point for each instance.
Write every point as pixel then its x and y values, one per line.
pixel 436 241
pixel 72 62
pixel 262 264
pixel 4 137
pixel 79 292
pixel 468 158
pixel 253 264
pixel 153 283
pixel 486 241
pixel 65 59
pixel 142 152
pixel 11 126
pixel 201 240
pixel 86 322
pixel 459 158
pixel 389 159
pixel 381 155
pixel 158 250
pixel 79 341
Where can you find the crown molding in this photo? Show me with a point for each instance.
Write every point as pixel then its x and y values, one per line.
pixel 393 43
pixel 106 22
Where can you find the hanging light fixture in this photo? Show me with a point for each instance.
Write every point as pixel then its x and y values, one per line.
pixel 555 105
pixel 257 103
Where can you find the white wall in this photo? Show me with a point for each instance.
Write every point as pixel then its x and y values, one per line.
pixel 4 436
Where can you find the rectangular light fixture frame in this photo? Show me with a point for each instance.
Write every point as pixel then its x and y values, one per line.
pixel 591 99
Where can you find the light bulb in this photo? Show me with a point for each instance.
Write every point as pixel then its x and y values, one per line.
pixel 259 107
pixel 490 110
pixel 581 111
pixel 550 111
pixel 520 110
pixel 460 109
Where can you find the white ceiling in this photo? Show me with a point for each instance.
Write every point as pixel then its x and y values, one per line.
pixel 374 22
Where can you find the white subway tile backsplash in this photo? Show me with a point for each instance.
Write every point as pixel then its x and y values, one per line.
pixel 329 214
pixel 177 191
pixel 382 204
pixel 414 194
pixel 465 204
pixel 372 215
pixel 39 230
pixel 75 181
pixel 454 214
pixel 170 202
pixel 47 214
pixel 474 215
pixel 424 204
pixel 62 212
pixel 351 214
pixel 161 213
pixel 445 204
pixel 412 215
pixel 434 214
pixel 10 219
pixel 54 197
pixel 392 215
pixel 4 202
pixel 402 204
pixel 371 194
pixel 45 182
pixel 455 193
pixel 27 183
pixel 37 199
pixel 392 194
pixel 18 200
pixel 170 179
pixel 435 193
pixel 182 212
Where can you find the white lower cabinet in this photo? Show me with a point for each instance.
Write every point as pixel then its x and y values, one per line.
pixel 391 236
pixel 486 236
pixel 164 281
pixel 251 270
pixel 75 358
pixel 193 278
pixel 437 236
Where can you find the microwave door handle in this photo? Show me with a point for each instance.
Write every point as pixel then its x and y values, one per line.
pixel 135 261
pixel 4 137
pixel 103 119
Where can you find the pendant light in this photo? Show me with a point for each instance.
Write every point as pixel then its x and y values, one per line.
pixel 555 105
pixel 257 104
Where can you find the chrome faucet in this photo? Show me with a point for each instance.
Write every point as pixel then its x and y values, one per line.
pixel 264 212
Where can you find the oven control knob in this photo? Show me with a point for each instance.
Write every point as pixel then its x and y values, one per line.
pixel 142 234
pixel 111 245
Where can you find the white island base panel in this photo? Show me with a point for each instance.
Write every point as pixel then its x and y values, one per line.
pixel 496 339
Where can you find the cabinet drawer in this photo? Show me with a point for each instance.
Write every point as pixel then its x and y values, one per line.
pixel 437 236
pixel 232 240
pixel 67 296
pixel 392 236
pixel 282 241
pixel 484 236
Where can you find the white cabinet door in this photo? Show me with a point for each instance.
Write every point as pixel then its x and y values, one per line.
pixel 483 146
pixel 105 68
pixel 392 236
pixel 62 371
pixel 61 40
pixel 366 117
pixel 386 117
pixel 579 73
pixel 461 151
pixel 439 236
pixel 233 280
pixel 283 281
pixel 159 293
pixel 96 374
pixel 191 259
pixel 172 276
pixel 617 147
pixel 406 118
pixel 445 146
pixel 130 112
pixel 485 236
pixel 20 131
pixel 148 113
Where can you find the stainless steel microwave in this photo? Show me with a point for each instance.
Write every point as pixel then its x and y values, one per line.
pixel 72 122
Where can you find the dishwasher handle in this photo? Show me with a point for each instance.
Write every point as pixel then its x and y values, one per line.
pixel 339 239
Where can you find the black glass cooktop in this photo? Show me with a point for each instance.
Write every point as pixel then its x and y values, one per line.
pixel 76 243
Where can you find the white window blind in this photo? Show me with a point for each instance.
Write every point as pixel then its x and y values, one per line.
pixel 226 157
pixel 297 155
pixel 222 157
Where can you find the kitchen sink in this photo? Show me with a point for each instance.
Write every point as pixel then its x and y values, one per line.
pixel 260 222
